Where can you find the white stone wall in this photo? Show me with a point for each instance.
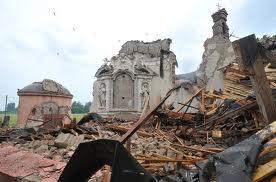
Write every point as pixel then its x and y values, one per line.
pixel 218 54
pixel 158 86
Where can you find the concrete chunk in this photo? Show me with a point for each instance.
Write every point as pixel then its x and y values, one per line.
pixel 63 140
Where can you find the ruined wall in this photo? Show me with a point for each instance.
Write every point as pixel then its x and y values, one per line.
pixel 218 54
pixel 269 43
pixel 188 88
pixel 151 66
pixel 182 95
pixel 28 102
pixel 154 49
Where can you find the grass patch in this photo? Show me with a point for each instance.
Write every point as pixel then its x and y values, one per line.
pixel 13 118
pixel 78 116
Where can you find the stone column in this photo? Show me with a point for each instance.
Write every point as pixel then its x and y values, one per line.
pixel 136 94
pixel 109 95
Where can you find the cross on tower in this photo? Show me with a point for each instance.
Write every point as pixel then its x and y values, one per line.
pixel 218 6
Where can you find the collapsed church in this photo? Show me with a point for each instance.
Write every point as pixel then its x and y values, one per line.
pixel 147 69
pixel 217 123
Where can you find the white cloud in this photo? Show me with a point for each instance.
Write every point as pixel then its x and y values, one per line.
pixel 67 40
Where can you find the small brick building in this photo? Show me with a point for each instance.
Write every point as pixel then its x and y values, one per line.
pixel 40 101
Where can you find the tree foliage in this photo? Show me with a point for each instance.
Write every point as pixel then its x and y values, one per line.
pixel 11 107
pixel 78 107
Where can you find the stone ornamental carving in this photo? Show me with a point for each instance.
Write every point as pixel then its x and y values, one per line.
pixel 106 61
pixel 35 117
pixel 144 93
pixel 102 95
pixel 125 81
pixel 51 86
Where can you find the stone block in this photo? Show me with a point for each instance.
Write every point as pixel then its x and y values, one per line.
pixel 168 167
pixel 63 140
pixel 41 149
pixel 161 151
pixel 171 154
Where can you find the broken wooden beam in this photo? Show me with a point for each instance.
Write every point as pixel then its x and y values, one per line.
pixel 187 105
pixel 152 159
pixel 189 100
pixel 250 60
pixel 264 171
pixel 144 118
pixel 228 115
pixel 123 129
pixel 196 149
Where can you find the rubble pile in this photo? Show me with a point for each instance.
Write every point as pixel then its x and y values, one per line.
pixel 171 140
pixel 165 139
pixel 27 166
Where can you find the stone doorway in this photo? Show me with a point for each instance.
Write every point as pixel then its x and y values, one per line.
pixel 123 92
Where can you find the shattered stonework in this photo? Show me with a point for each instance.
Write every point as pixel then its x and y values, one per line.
pixel 220 27
pixel 218 54
pixel 154 48
pixel 269 43
pixel 140 70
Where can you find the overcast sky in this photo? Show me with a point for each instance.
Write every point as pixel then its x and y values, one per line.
pixel 67 40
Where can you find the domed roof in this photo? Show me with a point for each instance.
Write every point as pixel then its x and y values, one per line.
pixel 46 87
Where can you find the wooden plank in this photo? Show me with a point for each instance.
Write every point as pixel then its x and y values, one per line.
pixel 267 150
pixel 166 160
pixel 187 105
pixel 264 171
pixel 189 100
pixel 202 108
pixel 238 71
pixel 250 60
pixel 195 149
pixel 266 132
pixel 124 129
pixel 229 114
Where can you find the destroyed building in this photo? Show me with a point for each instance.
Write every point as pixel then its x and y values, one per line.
pixel 140 70
pixel 218 53
pixel 40 101
pixel 221 127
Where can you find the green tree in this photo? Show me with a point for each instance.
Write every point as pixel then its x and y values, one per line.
pixel 77 107
pixel 86 107
pixel 11 107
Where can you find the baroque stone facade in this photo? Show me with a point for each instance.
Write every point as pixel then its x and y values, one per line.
pixel 140 70
pixel 148 69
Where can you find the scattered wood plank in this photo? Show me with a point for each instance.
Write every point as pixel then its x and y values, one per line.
pixel 124 129
pixel 264 171
pixel 228 115
pixel 250 60
pixel 144 118
pixel 194 149
pixel 166 160
pixel 189 100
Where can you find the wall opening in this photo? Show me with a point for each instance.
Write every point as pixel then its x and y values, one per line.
pixel 123 92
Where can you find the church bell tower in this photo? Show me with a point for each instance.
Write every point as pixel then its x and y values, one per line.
pixel 220 27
